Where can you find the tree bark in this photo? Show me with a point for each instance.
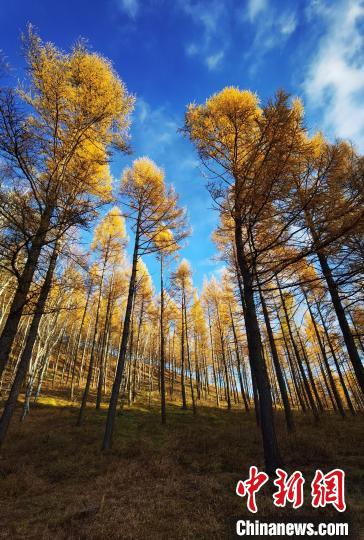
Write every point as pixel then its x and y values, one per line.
pixel 277 365
pixel 25 280
pixel 162 359
pixel 78 343
pixel 298 357
pixel 28 349
pixel 110 421
pixel 338 307
pixel 272 455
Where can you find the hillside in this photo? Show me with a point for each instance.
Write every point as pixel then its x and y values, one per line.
pixel 173 481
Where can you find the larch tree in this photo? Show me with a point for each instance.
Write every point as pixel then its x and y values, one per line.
pixel 56 131
pixel 144 292
pixel 182 286
pixel 248 150
pixel 151 208
pixel 108 243
pixel 200 340
pixel 167 245
pixel 331 203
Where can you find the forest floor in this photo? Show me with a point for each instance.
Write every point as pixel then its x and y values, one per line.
pixel 175 481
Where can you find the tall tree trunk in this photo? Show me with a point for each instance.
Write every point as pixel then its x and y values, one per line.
pixel 78 342
pixel 338 369
pixel 344 325
pixel 55 367
pixel 309 371
pixel 338 307
pixel 238 360
pixel 110 421
pixel 100 384
pixel 92 355
pixel 243 305
pixel 298 356
pixel 223 357
pixel 272 455
pixel 213 359
pixel 300 395
pixel 197 368
pixel 183 385
pixel 194 409
pixel 324 356
pixel 357 333
pixel 84 349
pixel 162 351
pixel 277 365
pixel 28 349
pixel 25 280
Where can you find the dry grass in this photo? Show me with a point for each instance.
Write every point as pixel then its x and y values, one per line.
pixel 171 482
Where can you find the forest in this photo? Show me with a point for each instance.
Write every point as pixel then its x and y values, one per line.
pixel 111 380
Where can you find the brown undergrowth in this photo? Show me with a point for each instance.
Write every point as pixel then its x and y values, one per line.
pixel 173 482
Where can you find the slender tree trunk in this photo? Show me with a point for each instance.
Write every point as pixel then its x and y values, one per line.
pixel 339 309
pixel 84 349
pixel 272 455
pixel 194 409
pixel 277 365
pixel 295 378
pixel 110 421
pixel 78 343
pixel 357 333
pixel 243 304
pixel 162 351
pixel 100 384
pixel 243 395
pixel 326 362
pixel 309 371
pixel 328 388
pixel 223 357
pixel 24 283
pixel 213 359
pixel 55 367
pixel 27 352
pixel 92 355
pixel 183 386
pixel 344 325
pixel 337 365
pixel 197 368
pixel 298 356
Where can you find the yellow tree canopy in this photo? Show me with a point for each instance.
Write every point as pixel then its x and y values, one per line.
pixel 165 241
pixel 214 125
pixel 144 281
pixel 256 150
pixel 79 108
pixel 198 317
pixel 183 275
pixel 144 181
pixel 110 235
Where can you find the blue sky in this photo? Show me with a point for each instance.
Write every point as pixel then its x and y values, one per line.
pixel 173 52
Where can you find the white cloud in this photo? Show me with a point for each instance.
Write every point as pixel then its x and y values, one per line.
pixel 255 7
pixel 155 130
pixel 206 14
pixel 272 28
pixel 334 80
pixel 143 110
pixel 130 7
pixel 287 23
pixel 191 49
pixel 214 60
pixel 210 17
